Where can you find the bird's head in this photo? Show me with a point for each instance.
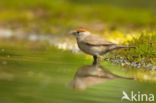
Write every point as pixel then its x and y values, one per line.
pixel 80 33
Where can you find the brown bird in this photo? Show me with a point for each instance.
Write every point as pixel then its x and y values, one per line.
pixel 90 75
pixel 94 45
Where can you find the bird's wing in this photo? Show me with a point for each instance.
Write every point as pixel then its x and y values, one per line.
pixel 97 41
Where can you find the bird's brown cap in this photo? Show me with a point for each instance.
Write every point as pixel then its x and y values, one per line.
pixel 81 30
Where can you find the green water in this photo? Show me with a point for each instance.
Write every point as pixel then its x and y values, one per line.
pixel 30 75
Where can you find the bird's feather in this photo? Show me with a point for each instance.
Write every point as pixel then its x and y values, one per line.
pixel 97 41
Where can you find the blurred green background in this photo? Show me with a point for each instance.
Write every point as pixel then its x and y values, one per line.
pixel 56 16
pixel 34 71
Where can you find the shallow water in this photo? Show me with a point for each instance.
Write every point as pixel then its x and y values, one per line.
pixel 29 75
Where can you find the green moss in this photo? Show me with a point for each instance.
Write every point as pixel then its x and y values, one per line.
pixel 145 48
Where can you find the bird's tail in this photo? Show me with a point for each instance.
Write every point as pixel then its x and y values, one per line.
pixel 114 47
pixel 122 46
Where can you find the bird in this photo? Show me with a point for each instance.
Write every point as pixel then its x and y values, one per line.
pixel 89 75
pixel 94 45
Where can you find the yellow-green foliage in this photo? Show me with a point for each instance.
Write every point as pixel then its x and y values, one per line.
pixel 145 48
pixel 53 15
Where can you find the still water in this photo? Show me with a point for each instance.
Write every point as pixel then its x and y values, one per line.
pixel 41 75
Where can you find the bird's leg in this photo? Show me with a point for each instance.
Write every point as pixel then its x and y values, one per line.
pixel 95 60
pixel 99 59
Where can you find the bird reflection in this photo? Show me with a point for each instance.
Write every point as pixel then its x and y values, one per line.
pixel 90 75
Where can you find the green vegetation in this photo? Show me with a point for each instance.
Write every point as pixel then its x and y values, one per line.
pixel 145 47
pixel 145 51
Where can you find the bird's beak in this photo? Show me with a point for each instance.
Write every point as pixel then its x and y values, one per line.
pixel 72 32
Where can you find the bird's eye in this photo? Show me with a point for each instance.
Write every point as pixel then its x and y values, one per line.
pixel 78 32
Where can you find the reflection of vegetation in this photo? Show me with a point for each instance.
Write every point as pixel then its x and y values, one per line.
pixel 39 73
pixel 53 16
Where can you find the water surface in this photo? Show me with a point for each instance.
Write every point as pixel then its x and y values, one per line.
pixel 45 75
